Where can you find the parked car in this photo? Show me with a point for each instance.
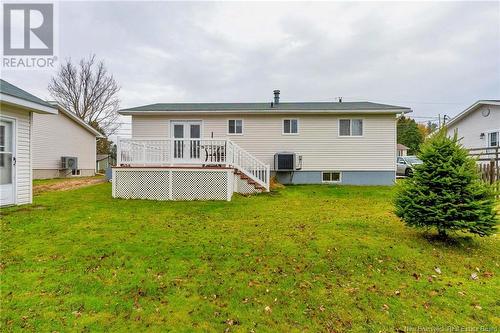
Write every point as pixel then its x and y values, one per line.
pixel 405 165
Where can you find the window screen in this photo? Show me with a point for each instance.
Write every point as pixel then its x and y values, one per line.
pixel 235 126
pixel 345 127
pixel 493 139
pixel 351 127
pixel 290 126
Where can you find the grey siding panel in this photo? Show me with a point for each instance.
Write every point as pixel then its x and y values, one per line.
pixel 368 177
pixel 348 177
pixel 299 177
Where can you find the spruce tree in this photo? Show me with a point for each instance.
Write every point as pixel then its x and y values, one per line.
pixel 446 191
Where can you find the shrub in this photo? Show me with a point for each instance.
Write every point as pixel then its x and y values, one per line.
pixel 446 191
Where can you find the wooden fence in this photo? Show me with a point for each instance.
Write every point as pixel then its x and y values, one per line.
pixel 488 163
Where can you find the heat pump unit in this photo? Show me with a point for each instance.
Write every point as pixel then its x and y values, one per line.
pixel 285 161
pixel 69 163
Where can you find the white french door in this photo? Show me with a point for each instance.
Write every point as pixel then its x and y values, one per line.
pixel 186 137
pixel 7 162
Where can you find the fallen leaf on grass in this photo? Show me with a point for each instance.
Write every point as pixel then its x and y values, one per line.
pixel 437 270
pixel 268 309
pixel 474 276
pixel 488 274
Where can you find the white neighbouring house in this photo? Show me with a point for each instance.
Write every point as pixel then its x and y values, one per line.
pixel 57 138
pixel 478 126
pixel 183 151
pixel 402 150
pixel 16 146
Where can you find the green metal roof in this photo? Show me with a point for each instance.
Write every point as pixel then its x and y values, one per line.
pixel 282 106
pixel 12 90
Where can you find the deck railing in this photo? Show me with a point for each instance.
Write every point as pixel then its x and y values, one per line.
pixel 206 152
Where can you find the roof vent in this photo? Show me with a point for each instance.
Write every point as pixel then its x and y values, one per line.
pixel 276 96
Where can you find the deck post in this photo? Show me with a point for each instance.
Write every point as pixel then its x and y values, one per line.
pixel 113 182
pixel 171 153
pixel 230 185
pixel 118 152
pixel 268 177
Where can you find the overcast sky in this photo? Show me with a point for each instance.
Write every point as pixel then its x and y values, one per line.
pixel 434 57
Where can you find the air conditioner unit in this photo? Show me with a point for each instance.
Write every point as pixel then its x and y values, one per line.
pixel 69 163
pixel 285 161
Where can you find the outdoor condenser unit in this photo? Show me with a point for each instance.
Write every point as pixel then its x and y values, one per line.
pixel 69 163
pixel 285 161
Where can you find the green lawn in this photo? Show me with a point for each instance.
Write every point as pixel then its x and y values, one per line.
pixel 305 258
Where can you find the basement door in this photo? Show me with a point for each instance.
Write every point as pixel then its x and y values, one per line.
pixel 186 136
pixel 7 162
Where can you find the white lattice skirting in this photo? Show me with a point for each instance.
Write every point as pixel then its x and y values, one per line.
pixel 173 184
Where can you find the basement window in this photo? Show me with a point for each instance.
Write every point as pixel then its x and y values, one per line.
pixel 331 176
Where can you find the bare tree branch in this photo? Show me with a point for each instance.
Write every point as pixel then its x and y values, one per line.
pixel 89 91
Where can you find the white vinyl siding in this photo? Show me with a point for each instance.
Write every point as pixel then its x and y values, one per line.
pixel 23 179
pixel 318 143
pixel 469 128
pixel 58 135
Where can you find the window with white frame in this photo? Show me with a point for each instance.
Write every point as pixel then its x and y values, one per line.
pixel 235 126
pixel 493 139
pixel 350 127
pixel 330 176
pixel 290 126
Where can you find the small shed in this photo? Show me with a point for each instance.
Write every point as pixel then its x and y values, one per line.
pixel 103 162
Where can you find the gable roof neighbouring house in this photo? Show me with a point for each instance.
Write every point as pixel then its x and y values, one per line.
pixel 100 157
pixel 285 107
pixel 471 109
pixel 11 94
pixel 402 147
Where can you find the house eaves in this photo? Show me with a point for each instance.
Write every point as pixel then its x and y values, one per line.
pixel 265 108
pixel 15 96
pixel 471 109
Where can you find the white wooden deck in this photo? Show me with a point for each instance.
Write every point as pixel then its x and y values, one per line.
pixel 186 169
